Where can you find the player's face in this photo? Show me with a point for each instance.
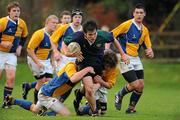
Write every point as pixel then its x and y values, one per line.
pixel 139 15
pixel 77 19
pixel 91 35
pixel 14 13
pixel 52 24
pixel 66 19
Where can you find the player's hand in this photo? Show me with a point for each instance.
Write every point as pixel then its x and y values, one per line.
pixel 97 79
pixel 125 59
pixel 18 50
pixel 6 44
pixel 149 53
pixel 90 70
pixel 57 55
pixel 40 66
pixel 79 56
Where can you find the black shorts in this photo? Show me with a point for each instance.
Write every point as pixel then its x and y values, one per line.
pixel 46 75
pixel 132 75
pixel 97 69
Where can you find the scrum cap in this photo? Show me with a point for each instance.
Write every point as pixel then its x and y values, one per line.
pixel 77 12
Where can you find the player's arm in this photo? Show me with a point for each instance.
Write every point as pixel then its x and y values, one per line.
pixel 65 44
pixel 54 41
pixel 124 57
pixel 1 29
pixel 23 39
pixel 80 74
pixel 147 45
pixel 98 79
pixel 34 43
pixel 5 44
pixel 77 76
pixel 109 81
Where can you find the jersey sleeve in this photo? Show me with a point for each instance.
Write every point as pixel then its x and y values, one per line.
pixel 147 42
pixel 25 30
pixel 70 69
pixel 122 28
pixel 35 40
pixel 2 26
pixel 57 34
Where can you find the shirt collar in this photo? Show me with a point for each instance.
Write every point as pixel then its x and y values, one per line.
pixel 13 20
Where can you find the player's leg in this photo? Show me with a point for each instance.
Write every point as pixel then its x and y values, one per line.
pixel 138 85
pixel 9 100
pixel 63 97
pixel 63 111
pixel 2 67
pixel 79 93
pixel 52 103
pixel 26 87
pixel 136 94
pixel 40 81
pixel 89 92
pixel 85 110
pixel 102 101
pixel 130 77
pixel 10 70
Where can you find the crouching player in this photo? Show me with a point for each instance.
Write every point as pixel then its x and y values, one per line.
pixel 107 81
pixel 48 95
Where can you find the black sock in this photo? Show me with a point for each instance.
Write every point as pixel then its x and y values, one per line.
pixel 7 91
pixel 35 96
pixel 124 91
pixel 79 96
pixel 134 98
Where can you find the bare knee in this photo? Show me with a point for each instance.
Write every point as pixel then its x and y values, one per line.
pixel 34 108
pixel 10 80
pixel 140 86
pixel 64 112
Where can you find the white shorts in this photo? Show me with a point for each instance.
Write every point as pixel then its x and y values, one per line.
pixel 101 95
pixel 35 69
pixel 8 59
pixel 49 102
pixel 64 60
pixel 135 64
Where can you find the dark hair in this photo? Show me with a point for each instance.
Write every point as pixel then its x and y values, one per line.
pixel 76 12
pixel 12 5
pixel 65 12
pixel 140 6
pixel 110 59
pixel 89 25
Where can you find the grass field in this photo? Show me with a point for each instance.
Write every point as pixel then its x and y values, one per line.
pixel 160 100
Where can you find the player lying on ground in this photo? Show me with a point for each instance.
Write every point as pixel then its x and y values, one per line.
pixel 65 80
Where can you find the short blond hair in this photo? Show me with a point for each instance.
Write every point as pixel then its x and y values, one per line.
pixel 51 17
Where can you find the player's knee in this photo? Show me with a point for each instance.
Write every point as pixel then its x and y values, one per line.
pixel 34 109
pixel 10 82
pixel 141 86
pixel 64 112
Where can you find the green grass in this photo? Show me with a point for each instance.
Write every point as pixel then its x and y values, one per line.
pixel 160 100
